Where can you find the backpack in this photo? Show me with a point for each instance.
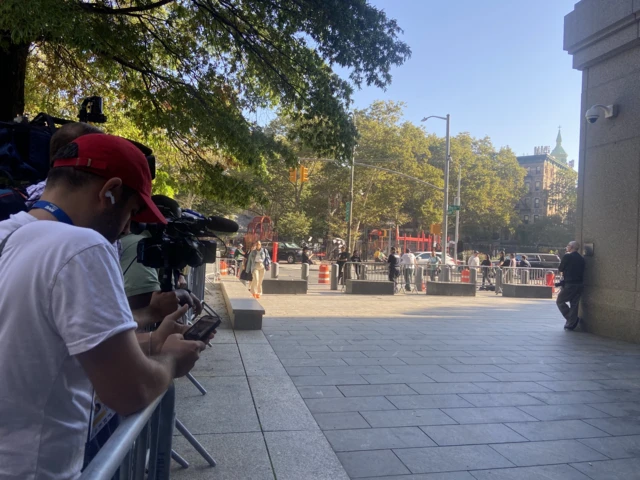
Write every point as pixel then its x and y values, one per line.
pixel 24 160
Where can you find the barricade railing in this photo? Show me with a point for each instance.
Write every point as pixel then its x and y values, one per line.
pixel 529 275
pixel 406 277
pixel 125 453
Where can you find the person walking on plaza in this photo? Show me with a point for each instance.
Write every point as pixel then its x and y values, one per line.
pixel 572 269
pixel 394 265
pixel 306 256
pixel 259 261
pixel 524 262
pixel 486 265
pixel 433 266
pixel 343 258
pixel 408 262
pixel 355 258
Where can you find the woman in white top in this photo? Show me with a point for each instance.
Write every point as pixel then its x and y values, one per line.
pixel 257 263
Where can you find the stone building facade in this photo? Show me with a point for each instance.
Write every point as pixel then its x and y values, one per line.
pixel 541 173
pixel 603 36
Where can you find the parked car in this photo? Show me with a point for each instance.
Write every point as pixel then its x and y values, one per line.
pixel 541 260
pixel 287 251
pixel 423 258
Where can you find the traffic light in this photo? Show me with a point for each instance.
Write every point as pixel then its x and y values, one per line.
pixel 293 175
pixel 436 229
pixel 304 174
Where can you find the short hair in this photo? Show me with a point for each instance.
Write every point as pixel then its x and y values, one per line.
pixel 407 251
pixel 575 245
pixel 67 133
pixel 523 256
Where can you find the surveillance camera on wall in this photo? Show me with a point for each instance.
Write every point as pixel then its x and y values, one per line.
pixel 594 113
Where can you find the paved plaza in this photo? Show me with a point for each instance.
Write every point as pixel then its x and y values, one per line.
pixel 412 387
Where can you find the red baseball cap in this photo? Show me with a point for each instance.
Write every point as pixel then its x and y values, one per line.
pixel 109 156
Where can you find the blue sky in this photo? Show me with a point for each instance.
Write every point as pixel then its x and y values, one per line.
pixel 497 66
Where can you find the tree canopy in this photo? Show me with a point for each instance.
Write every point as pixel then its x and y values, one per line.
pixel 492 180
pixel 195 74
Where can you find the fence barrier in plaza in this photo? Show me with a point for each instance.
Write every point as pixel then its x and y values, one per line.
pixel 417 276
pixel 124 455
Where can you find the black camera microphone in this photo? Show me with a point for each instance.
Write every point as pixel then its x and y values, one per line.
pixel 221 224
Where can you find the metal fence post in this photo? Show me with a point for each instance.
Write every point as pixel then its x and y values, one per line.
pixel 446 273
pixel 161 437
pixel 304 272
pixel 419 278
pixel 334 276
pixel 499 280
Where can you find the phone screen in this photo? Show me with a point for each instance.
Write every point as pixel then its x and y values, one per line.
pixel 202 328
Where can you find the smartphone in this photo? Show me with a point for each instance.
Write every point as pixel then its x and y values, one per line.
pixel 203 328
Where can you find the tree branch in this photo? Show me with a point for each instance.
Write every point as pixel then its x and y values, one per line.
pixel 93 8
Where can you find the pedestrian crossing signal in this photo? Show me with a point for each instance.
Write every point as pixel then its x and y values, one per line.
pixel 293 175
pixel 304 174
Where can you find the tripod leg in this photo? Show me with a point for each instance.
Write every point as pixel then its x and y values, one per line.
pixel 196 384
pixel 179 460
pixel 192 440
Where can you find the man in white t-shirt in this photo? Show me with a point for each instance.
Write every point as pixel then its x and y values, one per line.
pixel 408 262
pixel 474 260
pixel 66 325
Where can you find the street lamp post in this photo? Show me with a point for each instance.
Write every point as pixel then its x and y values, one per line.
pixel 445 206
pixel 350 207
pixel 457 203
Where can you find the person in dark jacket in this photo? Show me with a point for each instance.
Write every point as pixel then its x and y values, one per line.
pixel 394 265
pixel 355 258
pixel 486 267
pixel 343 258
pixel 572 269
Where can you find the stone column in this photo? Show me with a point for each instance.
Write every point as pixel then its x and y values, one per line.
pixel 603 38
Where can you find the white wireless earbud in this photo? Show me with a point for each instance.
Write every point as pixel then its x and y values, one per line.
pixel 110 195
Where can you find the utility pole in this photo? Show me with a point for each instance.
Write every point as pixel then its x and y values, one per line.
pixel 350 206
pixel 445 204
pixel 445 247
pixel 457 203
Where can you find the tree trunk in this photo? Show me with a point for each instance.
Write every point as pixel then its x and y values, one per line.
pixel 12 75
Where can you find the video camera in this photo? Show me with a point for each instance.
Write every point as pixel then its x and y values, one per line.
pixel 183 241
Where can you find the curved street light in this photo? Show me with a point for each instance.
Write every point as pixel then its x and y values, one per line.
pixel 445 207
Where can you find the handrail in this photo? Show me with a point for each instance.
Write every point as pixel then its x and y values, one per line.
pixel 107 461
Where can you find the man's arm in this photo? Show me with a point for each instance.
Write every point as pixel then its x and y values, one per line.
pixel 563 263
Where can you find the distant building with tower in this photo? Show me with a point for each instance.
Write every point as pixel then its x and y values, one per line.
pixel 541 169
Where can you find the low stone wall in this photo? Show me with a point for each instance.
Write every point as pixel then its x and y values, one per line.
pixel 367 287
pixel 245 311
pixel 284 287
pixel 526 291
pixel 451 289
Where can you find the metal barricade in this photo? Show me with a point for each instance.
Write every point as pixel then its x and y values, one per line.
pixel 124 456
pixel 405 277
pixel 529 275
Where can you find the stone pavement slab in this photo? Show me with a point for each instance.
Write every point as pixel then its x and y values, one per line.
pixel 378 439
pixel 447 459
pixel 378 462
pixel 298 455
pixel 240 456
pixel 495 385
pixel 450 435
pixel 547 472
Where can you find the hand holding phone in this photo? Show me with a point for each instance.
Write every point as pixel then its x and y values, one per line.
pixel 203 328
